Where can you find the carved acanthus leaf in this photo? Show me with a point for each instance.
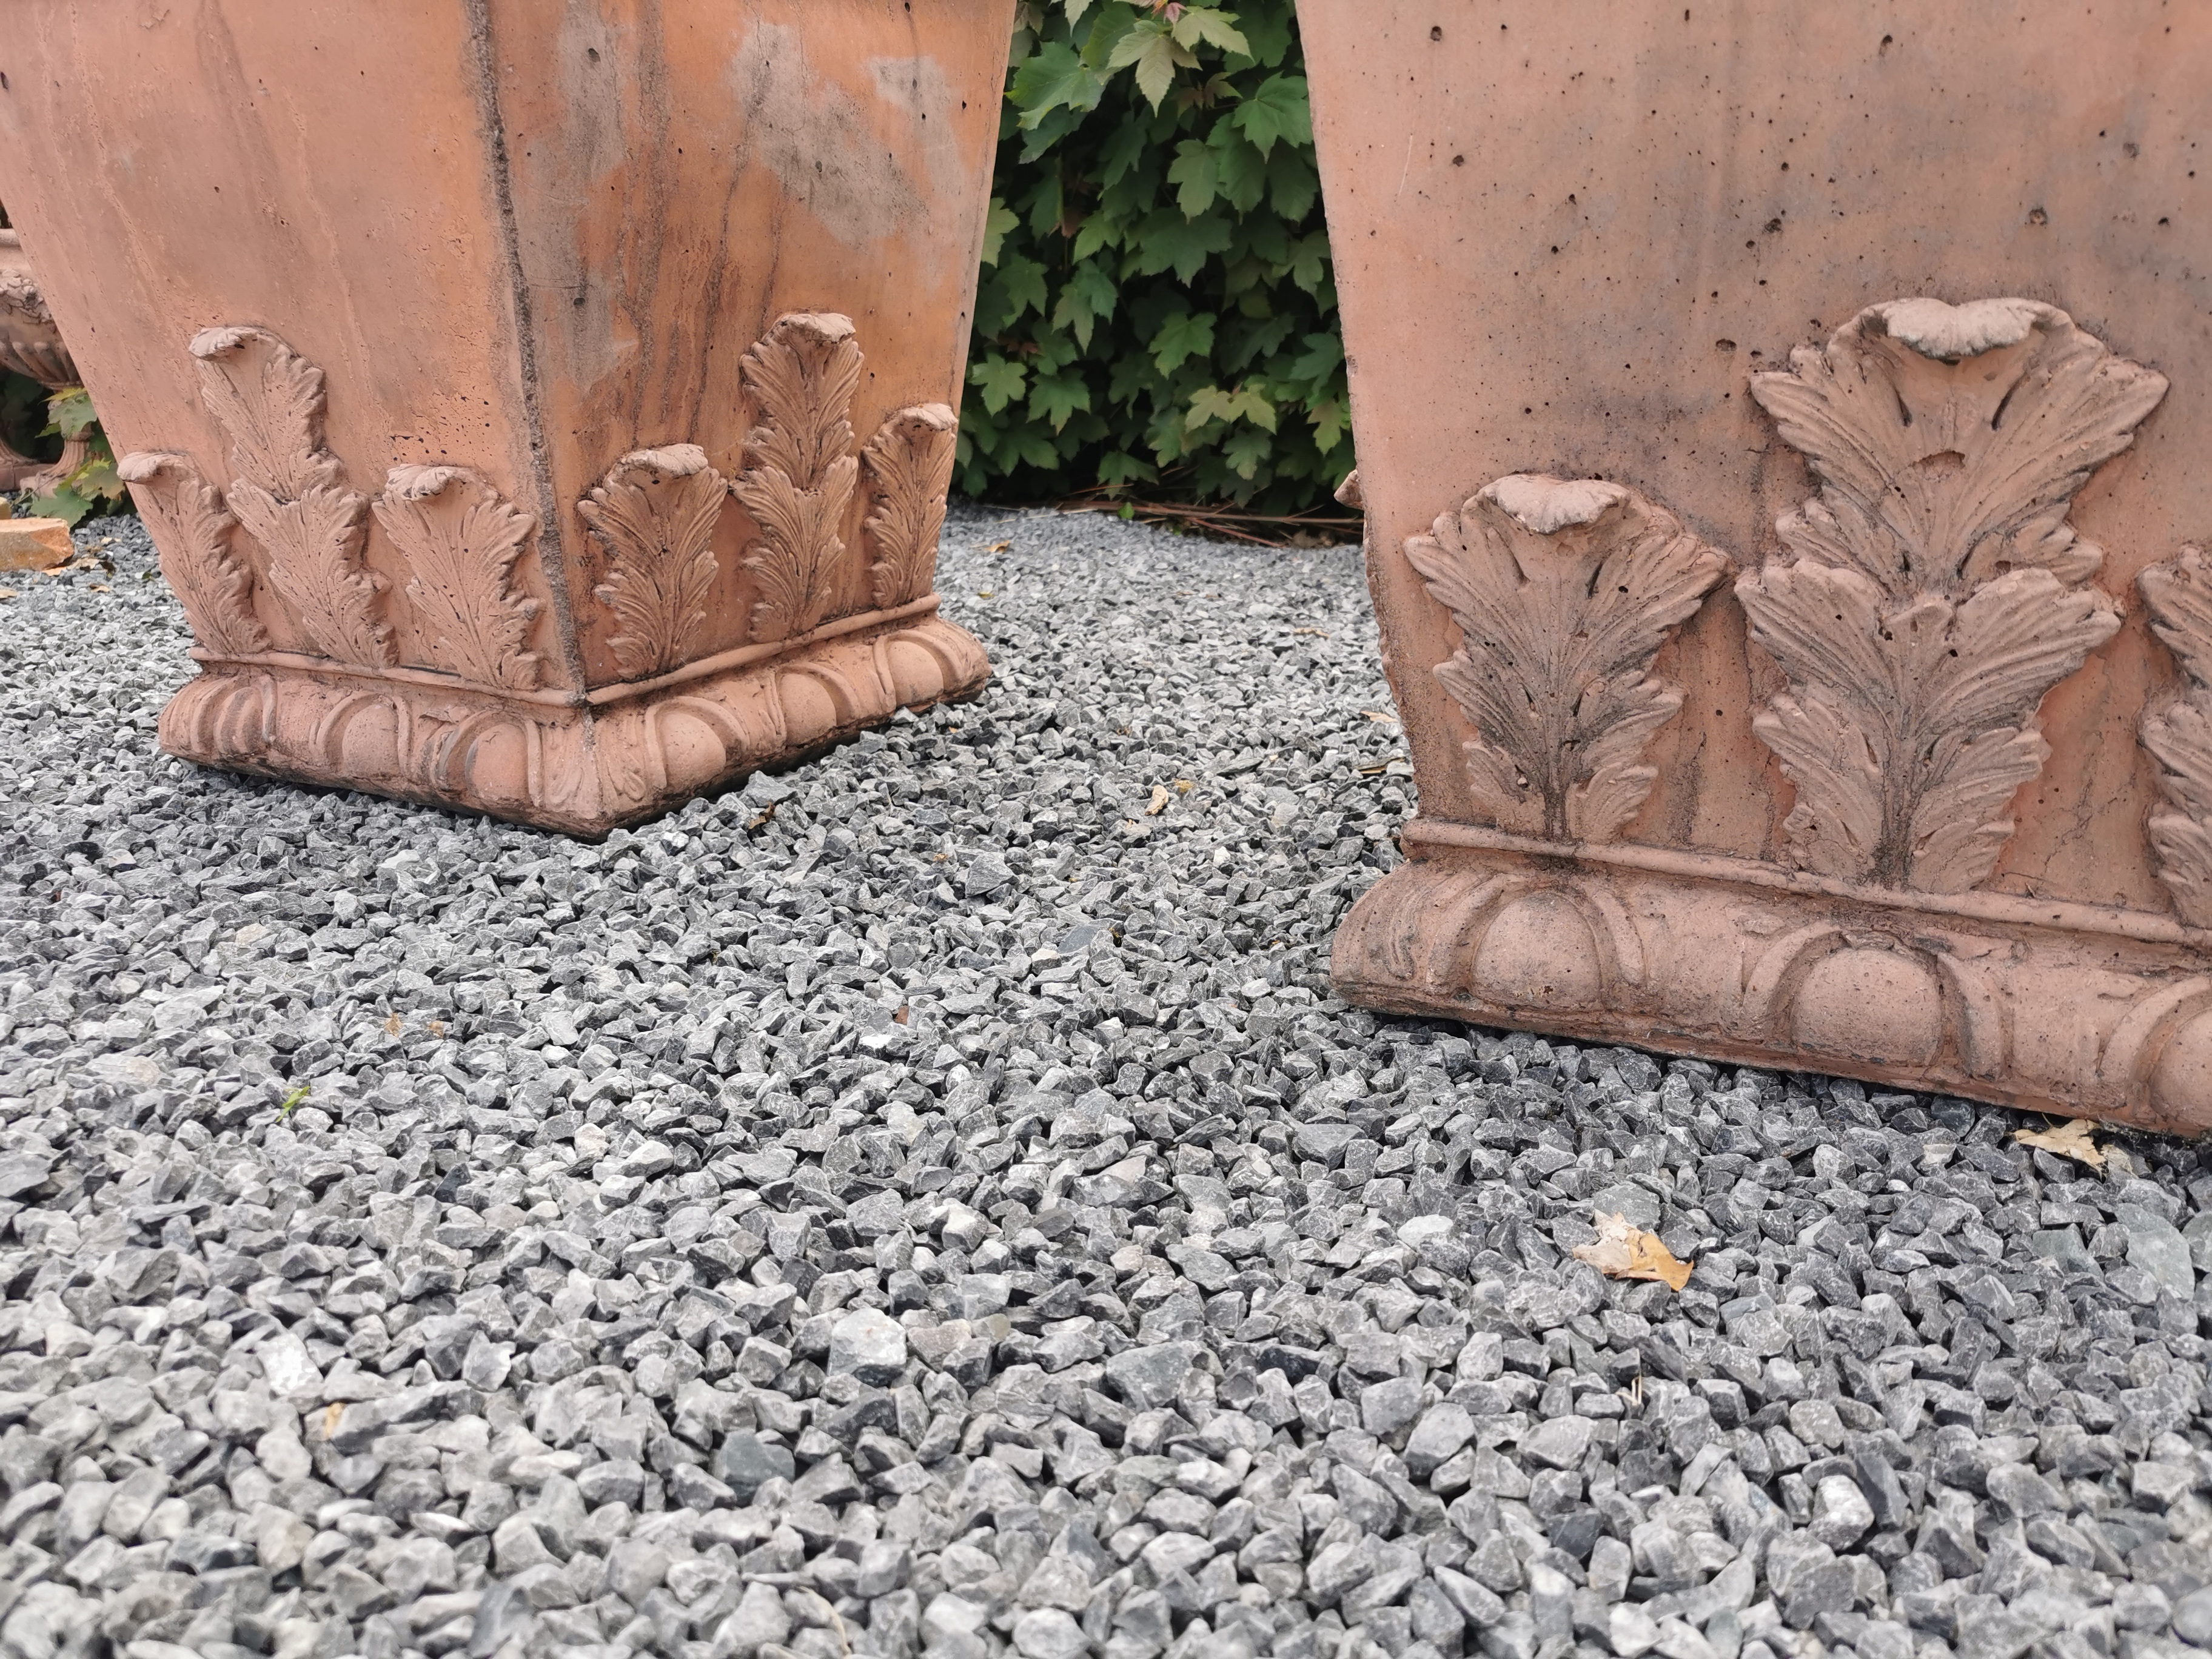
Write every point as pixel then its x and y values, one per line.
pixel 1935 596
pixel 461 539
pixel 2178 733
pixel 910 462
pixel 269 400
pixel 290 493
pixel 654 514
pixel 799 474
pixel 1564 593
pixel 193 531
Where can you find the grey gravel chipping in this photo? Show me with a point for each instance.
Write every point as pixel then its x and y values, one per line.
pixel 930 1204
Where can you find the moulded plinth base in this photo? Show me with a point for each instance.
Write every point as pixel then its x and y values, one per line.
pixel 2058 1007
pixel 582 764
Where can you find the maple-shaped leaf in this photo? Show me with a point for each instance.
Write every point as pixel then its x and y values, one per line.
pixel 1564 593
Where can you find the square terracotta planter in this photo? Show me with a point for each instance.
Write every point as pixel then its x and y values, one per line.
pixel 547 413
pixel 1780 523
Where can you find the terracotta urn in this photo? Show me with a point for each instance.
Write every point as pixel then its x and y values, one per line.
pixel 545 412
pixel 1781 524
pixel 31 345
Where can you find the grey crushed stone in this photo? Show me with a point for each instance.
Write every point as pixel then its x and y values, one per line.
pixel 948 1215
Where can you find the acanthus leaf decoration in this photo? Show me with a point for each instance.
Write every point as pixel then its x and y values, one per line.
pixel 212 583
pixel 290 493
pixel 799 473
pixel 1936 593
pixel 1564 593
pixel 461 539
pixel 654 513
pixel 910 462
pixel 2178 732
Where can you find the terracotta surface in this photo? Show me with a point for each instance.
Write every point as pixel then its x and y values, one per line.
pixel 1778 522
pixel 548 413
pixel 31 344
pixel 34 543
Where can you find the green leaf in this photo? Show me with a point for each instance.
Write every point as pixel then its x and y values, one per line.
pixel 1327 424
pixel 1322 357
pixel 1000 381
pixel 1212 26
pixel 1268 30
pixel 1002 219
pixel 1308 261
pixel 70 411
pixel 1075 10
pixel 1024 281
pixel 1123 152
pixel 1087 298
pixel 1168 242
pixel 62 503
pixel 1194 171
pixel 1153 49
pixel 1276 110
pixel 1240 173
pixel 1059 396
pixel 1119 468
pixel 1247 403
pixel 1246 450
pixel 1292 184
pixel 1055 76
pixel 1181 337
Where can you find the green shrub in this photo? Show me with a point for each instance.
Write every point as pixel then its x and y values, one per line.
pixel 92 487
pixel 1157 314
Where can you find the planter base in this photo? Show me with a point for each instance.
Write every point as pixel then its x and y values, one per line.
pixel 2061 1007
pixel 585 766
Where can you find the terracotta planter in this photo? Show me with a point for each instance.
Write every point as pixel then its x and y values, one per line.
pixel 548 413
pixel 31 344
pixel 1778 522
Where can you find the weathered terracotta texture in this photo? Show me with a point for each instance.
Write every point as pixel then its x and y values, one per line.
pixel 1780 522
pixel 542 411
pixel 31 344
pixel 34 543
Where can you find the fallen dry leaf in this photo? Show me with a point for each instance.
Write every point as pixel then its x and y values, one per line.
pixel 437 1027
pixel 392 1025
pixel 1377 714
pixel 987 593
pixel 1319 632
pixel 902 1016
pixel 1625 1252
pixel 2069 1139
pixel 7 593
pixel 1184 785
pixel 762 816
pixel 1162 795
pixel 331 1412
pixel 100 587
pixel 998 547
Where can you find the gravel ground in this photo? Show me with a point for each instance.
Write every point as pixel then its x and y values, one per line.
pixel 929 1204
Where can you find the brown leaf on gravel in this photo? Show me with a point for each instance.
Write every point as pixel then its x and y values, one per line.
pixel 1625 1252
pixel 2069 1139
pixel 1161 796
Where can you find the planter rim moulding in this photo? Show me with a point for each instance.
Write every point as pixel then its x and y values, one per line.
pixel 547 416
pixel 1784 532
